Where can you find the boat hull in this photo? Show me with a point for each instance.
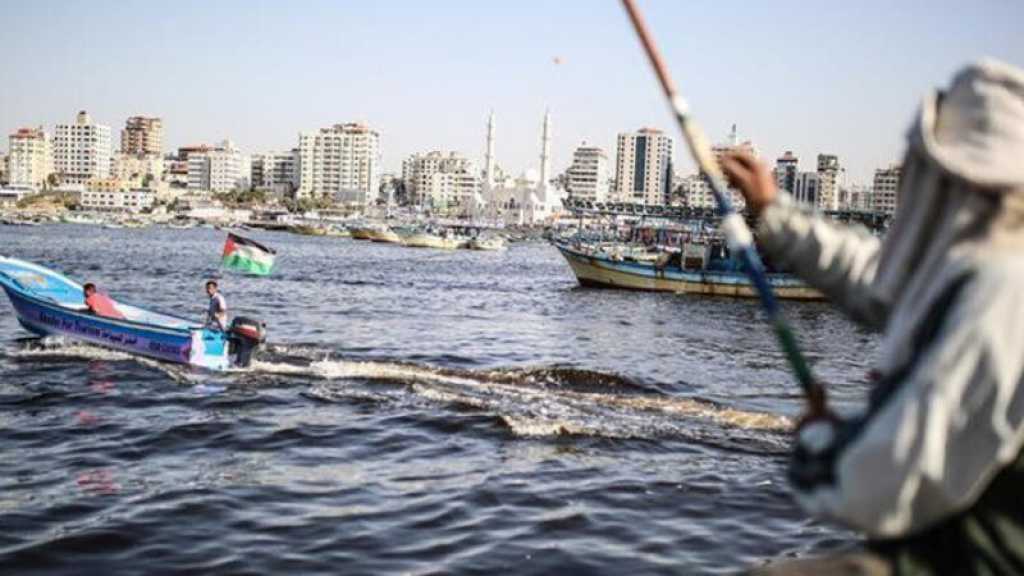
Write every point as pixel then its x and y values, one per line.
pixel 491 244
pixel 424 240
pixel 600 272
pixel 386 236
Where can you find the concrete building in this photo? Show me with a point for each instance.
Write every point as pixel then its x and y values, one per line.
pixel 587 177
pixel 643 166
pixel 118 200
pixel 30 159
pixel 807 189
pixel 142 136
pixel 829 180
pixel 148 167
pixel 81 151
pixel 276 172
pixel 786 168
pixel 884 188
pixel 9 196
pixel 441 180
pixel 857 198
pixel 3 169
pixel 696 192
pixel 219 169
pixel 340 162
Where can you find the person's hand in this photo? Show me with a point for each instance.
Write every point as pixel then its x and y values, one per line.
pixel 752 178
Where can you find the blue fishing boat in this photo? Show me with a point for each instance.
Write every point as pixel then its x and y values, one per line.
pixel 48 303
pixel 601 269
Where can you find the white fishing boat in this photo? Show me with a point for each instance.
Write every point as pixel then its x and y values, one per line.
pixel 373 231
pixel 385 234
pixel 428 239
pixel 79 219
pixel 492 243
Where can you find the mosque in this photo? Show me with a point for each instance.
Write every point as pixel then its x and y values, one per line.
pixel 526 200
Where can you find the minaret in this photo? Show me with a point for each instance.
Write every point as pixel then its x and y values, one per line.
pixel 545 152
pixel 489 159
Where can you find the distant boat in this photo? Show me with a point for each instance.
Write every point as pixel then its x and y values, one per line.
pixel 368 231
pixel 19 222
pixel 385 234
pixel 79 219
pixel 596 268
pixel 427 239
pixel 486 243
pixel 307 230
pixel 49 304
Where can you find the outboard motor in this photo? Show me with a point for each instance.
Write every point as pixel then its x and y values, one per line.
pixel 244 336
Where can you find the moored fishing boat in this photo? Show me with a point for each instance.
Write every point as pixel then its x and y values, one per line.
pixel 385 234
pixel 428 239
pixel 605 269
pixel 486 243
pixel 361 232
pixel 373 231
pixel 47 303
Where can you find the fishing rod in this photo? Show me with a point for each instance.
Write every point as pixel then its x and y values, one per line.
pixel 737 234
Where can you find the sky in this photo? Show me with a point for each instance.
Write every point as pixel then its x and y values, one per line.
pixel 832 76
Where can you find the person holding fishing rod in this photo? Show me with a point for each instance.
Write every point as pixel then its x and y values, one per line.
pixel 933 471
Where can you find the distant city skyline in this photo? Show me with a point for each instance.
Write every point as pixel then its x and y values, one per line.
pixel 841 78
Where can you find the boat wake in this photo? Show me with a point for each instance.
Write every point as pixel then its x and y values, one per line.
pixel 532 402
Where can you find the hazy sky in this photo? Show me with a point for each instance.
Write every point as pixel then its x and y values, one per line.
pixel 837 76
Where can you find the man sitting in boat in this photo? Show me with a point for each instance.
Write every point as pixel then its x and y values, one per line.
pixel 217 313
pixel 100 304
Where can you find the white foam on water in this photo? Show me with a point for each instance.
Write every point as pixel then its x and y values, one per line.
pixel 532 411
pixel 55 347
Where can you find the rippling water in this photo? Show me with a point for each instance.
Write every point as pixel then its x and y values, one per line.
pixel 417 412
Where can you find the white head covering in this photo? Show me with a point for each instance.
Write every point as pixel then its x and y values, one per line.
pixel 961 196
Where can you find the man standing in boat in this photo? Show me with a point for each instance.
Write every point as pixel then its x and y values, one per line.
pixel 931 472
pixel 217 311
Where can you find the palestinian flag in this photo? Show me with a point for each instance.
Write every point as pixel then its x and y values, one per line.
pixel 246 255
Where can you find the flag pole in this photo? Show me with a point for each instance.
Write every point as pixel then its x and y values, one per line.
pixel 738 235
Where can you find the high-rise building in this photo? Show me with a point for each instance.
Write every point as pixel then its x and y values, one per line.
pixel 587 177
pixel 219 169
pixel 697 192
pixel 807 188
pixel 81 151
pixel 30 159
pixel 643 166
pixel 856 197
pixel 439 180
pixel 884 188
pixel 829 173
pixel 340 162
pixel 786 168
pixel 142 135
pixel 276 171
